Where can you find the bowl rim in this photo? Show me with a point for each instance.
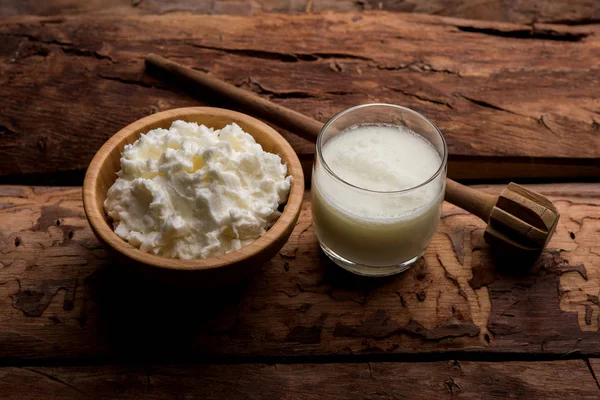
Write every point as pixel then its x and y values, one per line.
pixel 102 229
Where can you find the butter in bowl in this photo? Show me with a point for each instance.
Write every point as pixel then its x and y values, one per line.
pixel 195 196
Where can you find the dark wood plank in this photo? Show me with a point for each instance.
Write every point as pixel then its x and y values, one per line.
pixel 520 94
pixel 439 380
pixel 519 11
pixel 60 300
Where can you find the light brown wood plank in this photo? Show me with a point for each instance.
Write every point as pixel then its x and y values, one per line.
pixel 438 380
pixel 519 11
pixel 59 299
pixel 521 94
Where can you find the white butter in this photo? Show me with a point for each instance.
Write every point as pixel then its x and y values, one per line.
pixel 194 192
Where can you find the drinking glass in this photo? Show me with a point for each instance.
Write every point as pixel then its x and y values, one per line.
pixel 355 240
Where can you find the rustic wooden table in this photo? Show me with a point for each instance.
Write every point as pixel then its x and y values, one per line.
pixel 514 88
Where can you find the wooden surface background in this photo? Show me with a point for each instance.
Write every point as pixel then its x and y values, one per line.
pixel 371 381
pixel 513 100
pixel 569 12
pixel 64 302
pixel 513 85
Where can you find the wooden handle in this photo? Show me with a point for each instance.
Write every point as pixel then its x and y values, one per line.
pixel 288 119
pixel 474 201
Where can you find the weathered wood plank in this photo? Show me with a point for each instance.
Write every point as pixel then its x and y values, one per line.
pixel 59 299
pixel 525 95
pixel 518 11
pixel 439 380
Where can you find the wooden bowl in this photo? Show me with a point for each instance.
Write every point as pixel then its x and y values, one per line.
pixel 213 271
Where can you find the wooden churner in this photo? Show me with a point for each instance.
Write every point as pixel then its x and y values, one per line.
pixel 519 220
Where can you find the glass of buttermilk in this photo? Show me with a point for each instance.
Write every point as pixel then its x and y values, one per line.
pixel 377 187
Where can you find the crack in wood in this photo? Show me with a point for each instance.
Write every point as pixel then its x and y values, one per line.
pixel 402 300
pixel 416 65
pixel 380 326
pixel 33 38
pixel 455 364
pixel 289 294
pixel 283 57
pixel 457 239
pixel 527 33
pixel 29 50
pixel 86 53
pixel 66 47
pixel 5 131
pixel 448 274
pixel 420 97
pixel 133 82
pixel 452 386
pixel 591 369
pixel 542 120
pixel 574 22
pixel 56 379
pixel 279 94
pixel 485 104
pixel 588 314
pixel 52 21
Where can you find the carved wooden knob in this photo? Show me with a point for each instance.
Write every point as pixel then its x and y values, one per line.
pixel 521 220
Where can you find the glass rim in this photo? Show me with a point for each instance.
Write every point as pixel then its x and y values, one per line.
pixel 351 109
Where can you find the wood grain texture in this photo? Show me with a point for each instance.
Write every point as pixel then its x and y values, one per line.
pixel 60 298
pixel 371 381
pixel 213 271
pixel 519 94
pixel 518 11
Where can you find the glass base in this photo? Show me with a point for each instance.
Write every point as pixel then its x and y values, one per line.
pixel 367 270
